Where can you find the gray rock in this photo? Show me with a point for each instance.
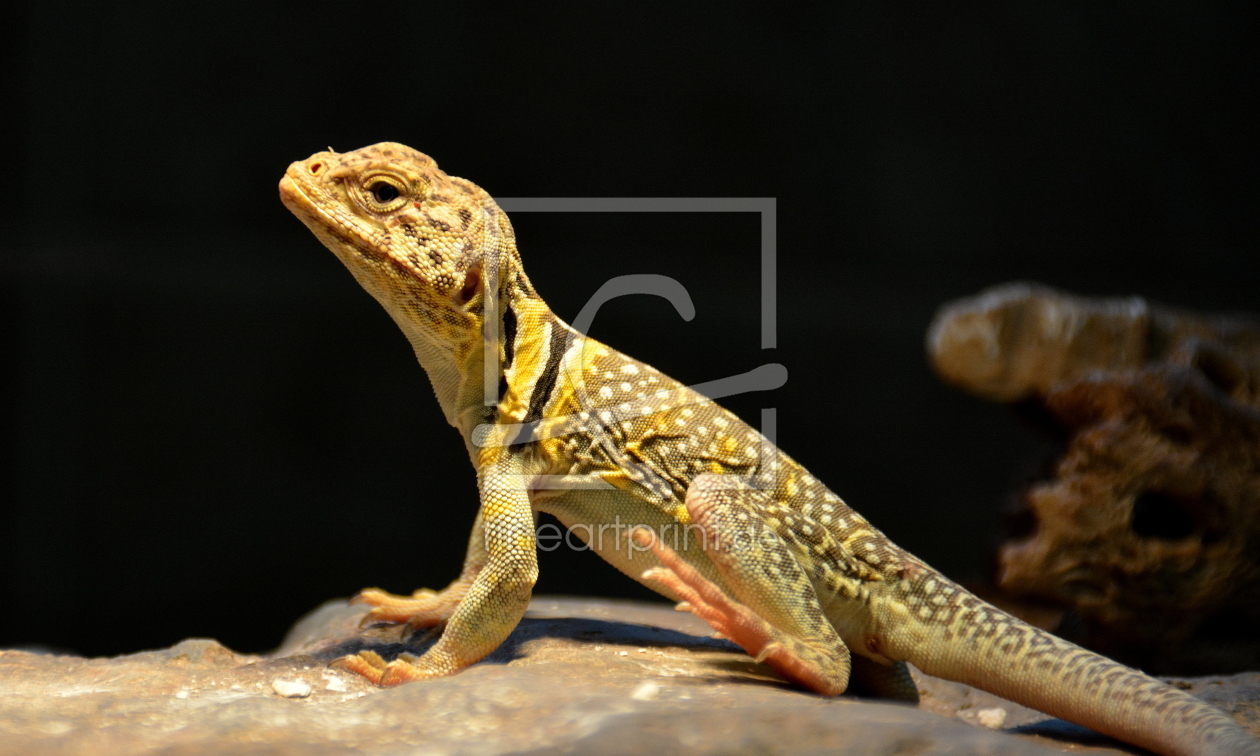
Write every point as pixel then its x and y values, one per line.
pixel 577 676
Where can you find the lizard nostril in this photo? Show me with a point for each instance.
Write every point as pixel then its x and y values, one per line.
pixel 315 168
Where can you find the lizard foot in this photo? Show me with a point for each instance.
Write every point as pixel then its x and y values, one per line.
pixel 734 621
pixel 367 664
pixel 424 608
pixel 370 665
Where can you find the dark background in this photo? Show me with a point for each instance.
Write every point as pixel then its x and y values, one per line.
pixel 208 428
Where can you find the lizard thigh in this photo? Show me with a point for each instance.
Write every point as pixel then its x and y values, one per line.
pixel 775 614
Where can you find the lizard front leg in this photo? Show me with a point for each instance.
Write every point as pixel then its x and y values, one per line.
pixel 776 616
pixel 427 608
pixel 495 598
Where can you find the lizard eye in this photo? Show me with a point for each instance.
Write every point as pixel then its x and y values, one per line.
pixel 383 193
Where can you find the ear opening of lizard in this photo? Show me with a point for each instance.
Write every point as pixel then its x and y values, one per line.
pixel 560 423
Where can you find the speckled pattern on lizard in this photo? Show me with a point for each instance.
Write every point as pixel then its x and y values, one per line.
pixel 666 485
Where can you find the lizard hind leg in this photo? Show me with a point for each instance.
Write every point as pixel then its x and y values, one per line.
pixel 775 615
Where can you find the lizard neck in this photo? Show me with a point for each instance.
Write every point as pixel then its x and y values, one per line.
pixel 520 353
pixel 456 369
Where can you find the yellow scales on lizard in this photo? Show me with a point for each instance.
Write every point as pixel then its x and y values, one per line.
pixel 774 560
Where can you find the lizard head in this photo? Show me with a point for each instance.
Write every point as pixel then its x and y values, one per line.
pixel 426 245
pixel 433 249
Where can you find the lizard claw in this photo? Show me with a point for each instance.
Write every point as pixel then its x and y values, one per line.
pixel 401 670
pixel 770 649
pixel 366 596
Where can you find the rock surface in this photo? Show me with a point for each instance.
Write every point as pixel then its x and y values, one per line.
pixel 577 676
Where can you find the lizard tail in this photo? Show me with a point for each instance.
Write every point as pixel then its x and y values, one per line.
pixel 964 639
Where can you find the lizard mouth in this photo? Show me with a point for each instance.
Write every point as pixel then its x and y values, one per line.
pixel 294 195
pixel 296 199
pixel 323 218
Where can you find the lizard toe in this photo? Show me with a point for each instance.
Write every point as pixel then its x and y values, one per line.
pixel 366 664
pixel 422 609
pixel 401 670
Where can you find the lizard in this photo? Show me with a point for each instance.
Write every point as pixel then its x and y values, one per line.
pixel 557 422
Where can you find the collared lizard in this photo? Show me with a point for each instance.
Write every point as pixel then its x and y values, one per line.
pixel 560 423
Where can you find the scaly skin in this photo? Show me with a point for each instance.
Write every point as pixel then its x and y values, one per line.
pixel 723 520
